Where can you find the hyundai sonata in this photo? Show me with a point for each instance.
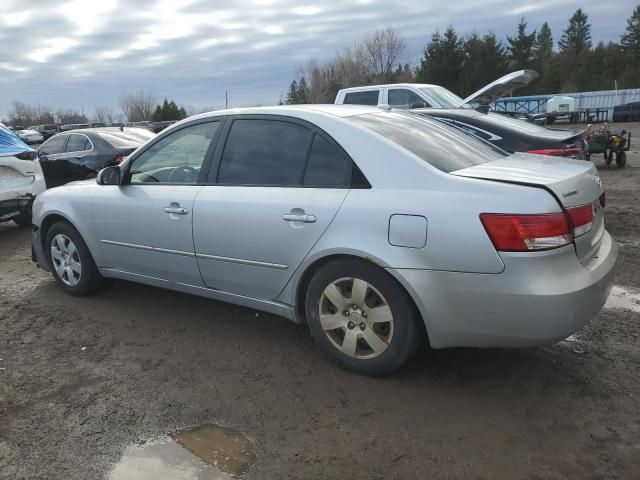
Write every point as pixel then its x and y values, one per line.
pixel 378 229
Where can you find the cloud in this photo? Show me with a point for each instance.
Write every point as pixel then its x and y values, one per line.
pixel 82 53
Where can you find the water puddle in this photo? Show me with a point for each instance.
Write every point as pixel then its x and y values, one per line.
pixel 623 298
pixel 208 452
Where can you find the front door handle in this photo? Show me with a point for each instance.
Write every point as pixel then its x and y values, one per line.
pixel 292 217
pixel 178 210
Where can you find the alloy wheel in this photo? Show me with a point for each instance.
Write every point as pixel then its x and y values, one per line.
pixel 356 318
pixel 66 260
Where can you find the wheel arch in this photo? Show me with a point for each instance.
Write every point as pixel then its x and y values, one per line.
pixel 47 222
pixel 305 277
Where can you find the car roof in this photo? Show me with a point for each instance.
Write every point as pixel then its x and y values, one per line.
pixel 341 111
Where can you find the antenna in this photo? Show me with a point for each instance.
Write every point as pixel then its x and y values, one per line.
pixel 226 99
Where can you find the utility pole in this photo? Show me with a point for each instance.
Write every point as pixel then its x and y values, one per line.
pixel 226 99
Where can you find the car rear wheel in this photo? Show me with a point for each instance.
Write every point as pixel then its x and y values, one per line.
pixel 23 220
pixel 361 318
pixel 70 260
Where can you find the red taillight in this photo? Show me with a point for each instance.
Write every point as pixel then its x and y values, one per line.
pixel 523 233
pixel 581 219
pixel 119 159
pixel 603 199
pixel 558 152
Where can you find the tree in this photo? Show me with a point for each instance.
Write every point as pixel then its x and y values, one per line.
pixel 543 46
pixel 137 106
pixel 521 46
pixel 169 111
pixel 70 115
pixel 442 60
pixel 630 40
pixel 485 60
pixel 576 39
pixel 25 115
pixel 384 48
pixel 292 94
pixel 104 115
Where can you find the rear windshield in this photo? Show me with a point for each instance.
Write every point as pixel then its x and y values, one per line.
pixel 445 147
pixel 128 138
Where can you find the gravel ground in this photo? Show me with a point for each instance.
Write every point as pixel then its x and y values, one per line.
pixel 157 361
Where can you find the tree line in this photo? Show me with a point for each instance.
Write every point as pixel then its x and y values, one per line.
pixel 135 107
pixel 465 63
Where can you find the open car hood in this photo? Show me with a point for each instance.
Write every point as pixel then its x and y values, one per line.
pixel 501 87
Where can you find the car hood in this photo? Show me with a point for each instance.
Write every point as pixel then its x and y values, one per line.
pixel 501 87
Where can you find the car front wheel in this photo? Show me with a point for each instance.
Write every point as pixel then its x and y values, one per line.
pixel 70 260
pixel 361 318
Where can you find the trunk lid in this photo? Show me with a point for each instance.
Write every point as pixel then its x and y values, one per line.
pixel 501 87
pixel 572 182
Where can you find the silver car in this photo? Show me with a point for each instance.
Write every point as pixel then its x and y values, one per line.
pixel 378 229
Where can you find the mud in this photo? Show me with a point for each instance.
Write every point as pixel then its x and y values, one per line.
pixel 83 381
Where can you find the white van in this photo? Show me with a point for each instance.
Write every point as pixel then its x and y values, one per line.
pixel 421 95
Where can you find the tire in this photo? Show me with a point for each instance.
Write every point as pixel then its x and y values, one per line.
pixel 23 220
pixel 64 246
pixel 621 159
pixel 608 157
pixel 359 344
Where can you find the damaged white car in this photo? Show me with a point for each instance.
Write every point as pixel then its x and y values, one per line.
pixel 20 178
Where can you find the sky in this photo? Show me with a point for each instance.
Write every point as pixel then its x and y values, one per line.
pixel 86 53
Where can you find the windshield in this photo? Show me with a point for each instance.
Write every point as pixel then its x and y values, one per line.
pixel 444 97
pixel 445 147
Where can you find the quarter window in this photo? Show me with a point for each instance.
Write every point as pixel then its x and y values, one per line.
pixel 53 146
pixel 176 158
pixel 77 143
pixel 326 167
pixel 403 98
pixel 264 152
pixel 362 98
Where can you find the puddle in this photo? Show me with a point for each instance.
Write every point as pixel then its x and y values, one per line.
pixel 624 298
pixel 208 452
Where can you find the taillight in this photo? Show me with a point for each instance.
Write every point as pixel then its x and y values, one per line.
pixel 581 219
pixel 119 159
pixel 603 199
pixel 558 152
pixel 523 233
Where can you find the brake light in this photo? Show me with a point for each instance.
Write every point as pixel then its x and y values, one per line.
pixel 581 219
pixel 119 159
pixel 558 152
pixel 523 233
pixel 603 199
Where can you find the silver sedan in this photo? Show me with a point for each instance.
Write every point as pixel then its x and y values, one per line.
pixel 378 229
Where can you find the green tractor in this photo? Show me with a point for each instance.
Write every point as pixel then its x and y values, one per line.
pixel 608 143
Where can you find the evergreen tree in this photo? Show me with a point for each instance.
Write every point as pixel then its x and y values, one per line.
pixel 543 46
pixel 442 61
pixel 292 94
pixel 485 60
pixel 157 114
pixel 303 91
pixel 576 39
pixel 630 40
pixel 183 113
pixel 521 46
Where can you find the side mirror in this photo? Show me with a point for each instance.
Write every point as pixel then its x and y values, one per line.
pixel 109 176
pixel 419 105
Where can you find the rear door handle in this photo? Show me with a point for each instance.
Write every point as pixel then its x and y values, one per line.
pixel 292 217
pixel 178 210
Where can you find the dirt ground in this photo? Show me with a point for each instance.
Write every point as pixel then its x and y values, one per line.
pixel 157 361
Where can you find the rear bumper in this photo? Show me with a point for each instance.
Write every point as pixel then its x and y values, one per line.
pixel 534 302
pixel 12 208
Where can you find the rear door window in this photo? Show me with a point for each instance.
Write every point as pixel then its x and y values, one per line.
pixel 53 146
pixel 264 152
pixel 77 143
pixel 403 98
pixel 362 98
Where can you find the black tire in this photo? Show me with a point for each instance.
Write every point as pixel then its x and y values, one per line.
pixel 621 159
pixel 90 279
pixel 608 157
pixel 23 220
pixel 408 330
